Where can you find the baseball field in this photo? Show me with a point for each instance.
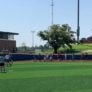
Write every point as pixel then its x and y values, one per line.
pixel 75 76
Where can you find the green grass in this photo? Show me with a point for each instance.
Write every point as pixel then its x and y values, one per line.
pixel 47 77
pixel 78 48
pixel 82 47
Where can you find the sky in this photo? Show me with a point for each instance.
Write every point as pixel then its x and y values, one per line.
pixel 25 16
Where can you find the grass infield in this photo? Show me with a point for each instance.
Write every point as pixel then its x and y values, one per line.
pixel 47 77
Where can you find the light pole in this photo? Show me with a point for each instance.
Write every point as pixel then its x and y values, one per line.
pixel 52 8
pixel 33 38
pixel 78 20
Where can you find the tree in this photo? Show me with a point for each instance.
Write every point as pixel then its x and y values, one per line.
pixel 24 47
pixel 58 36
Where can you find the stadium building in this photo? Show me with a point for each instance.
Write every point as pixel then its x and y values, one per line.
pixel 7 42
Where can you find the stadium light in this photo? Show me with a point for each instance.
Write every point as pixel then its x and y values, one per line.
pixel 78 20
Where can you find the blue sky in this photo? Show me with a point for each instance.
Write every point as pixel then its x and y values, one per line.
pixel 24 16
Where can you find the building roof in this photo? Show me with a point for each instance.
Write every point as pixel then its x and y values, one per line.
pixel 10 33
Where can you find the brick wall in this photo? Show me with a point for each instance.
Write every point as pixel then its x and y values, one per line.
pixel 7 45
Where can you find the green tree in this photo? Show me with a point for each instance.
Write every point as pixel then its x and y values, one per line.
pixel 58 36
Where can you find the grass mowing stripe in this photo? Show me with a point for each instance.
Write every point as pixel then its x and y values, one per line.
pixel 82 90
pixel 47 84
pixel 29 68
pixel 50 73
pixel 54 63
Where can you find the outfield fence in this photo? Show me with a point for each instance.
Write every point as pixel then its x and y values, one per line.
pixel 21 57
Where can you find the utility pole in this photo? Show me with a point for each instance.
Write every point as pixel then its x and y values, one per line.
pixel 78 19
pixel 52 9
